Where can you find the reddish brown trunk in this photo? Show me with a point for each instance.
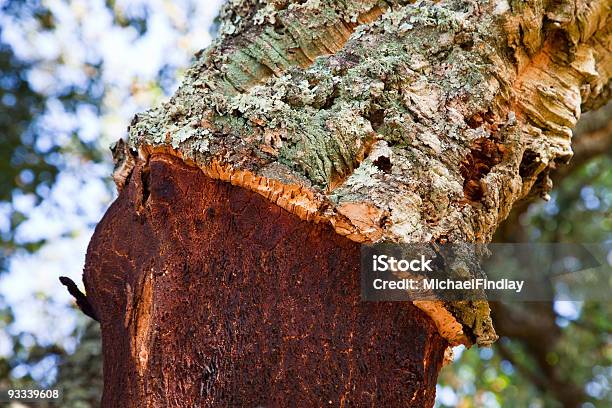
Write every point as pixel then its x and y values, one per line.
pixel 210 295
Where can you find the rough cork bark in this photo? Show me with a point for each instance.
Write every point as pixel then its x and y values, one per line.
pixel 366 120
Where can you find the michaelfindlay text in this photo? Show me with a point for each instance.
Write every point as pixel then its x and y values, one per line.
pixel 448 284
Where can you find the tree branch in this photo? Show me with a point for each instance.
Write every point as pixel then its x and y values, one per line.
pixel 592 138
pixel 80 298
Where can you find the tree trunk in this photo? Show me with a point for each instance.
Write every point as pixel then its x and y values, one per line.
pixel 226 273
pixel 232 301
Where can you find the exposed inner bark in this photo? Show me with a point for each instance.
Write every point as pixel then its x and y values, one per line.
pixel 210 295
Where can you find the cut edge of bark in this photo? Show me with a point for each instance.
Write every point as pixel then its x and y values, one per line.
pixel 356 221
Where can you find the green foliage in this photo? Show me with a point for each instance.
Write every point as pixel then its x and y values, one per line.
pixel 21 165
pixel 23 168
pixel 516 372
pixel 30 158
pixel 80 373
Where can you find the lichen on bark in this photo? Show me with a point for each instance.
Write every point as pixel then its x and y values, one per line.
pixel 390 121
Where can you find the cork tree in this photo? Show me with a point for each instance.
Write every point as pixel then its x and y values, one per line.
pixel 227 271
